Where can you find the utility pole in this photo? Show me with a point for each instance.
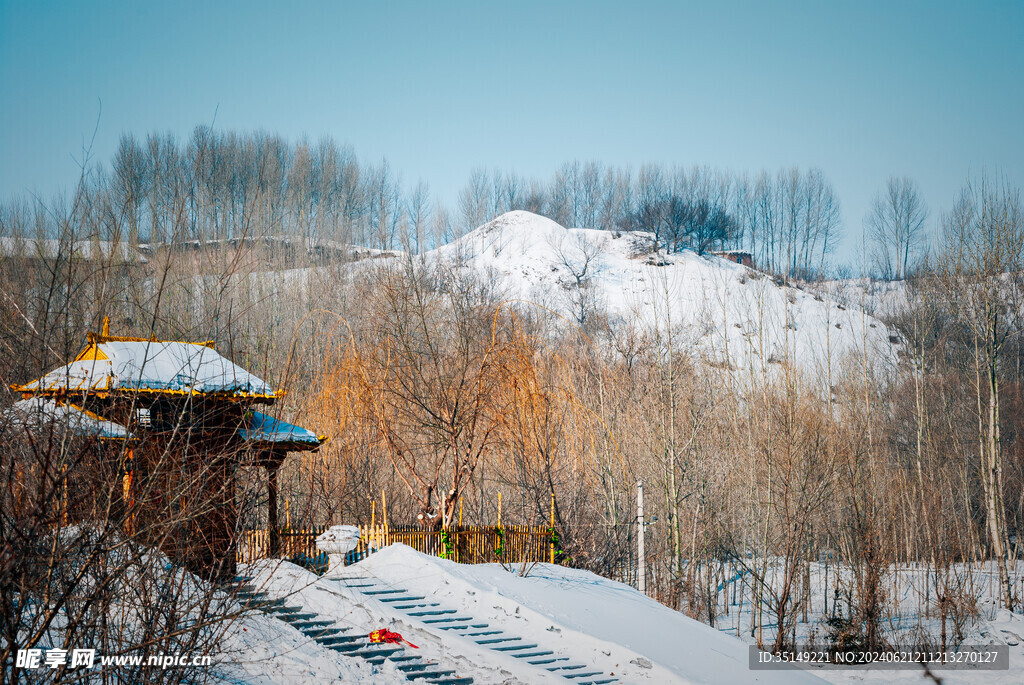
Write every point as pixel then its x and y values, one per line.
pixel 641 581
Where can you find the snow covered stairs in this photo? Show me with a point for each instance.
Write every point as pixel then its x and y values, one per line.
pixel 436 616
pixel 325 632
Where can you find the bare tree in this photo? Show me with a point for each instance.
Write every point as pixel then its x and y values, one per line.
pixel 895 223
pixel 475 200
pixel 980 271
pixel 583 260
pixel 419 216
pixel 427 378
pixel 384 206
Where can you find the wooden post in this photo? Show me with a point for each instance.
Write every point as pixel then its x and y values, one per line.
pixel 128 495
pixel 64 494
pixel 499 510
pixel 458 534
pixel 275 536
pixel 551 533
pixel 384 508
pixel 641 574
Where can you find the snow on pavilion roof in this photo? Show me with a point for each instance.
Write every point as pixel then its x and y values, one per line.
pixel 260 428
pixel 40 411
pixel 131 364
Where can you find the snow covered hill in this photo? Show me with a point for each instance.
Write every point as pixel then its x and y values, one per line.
pixel 729 315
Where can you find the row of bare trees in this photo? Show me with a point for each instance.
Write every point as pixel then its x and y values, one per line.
pixel 225 186
pixel 789 220
pixel 218 186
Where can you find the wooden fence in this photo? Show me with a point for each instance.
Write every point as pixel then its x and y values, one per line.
pixel 467 545
pixel 255 544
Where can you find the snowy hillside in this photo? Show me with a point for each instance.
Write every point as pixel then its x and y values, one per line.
pixel 726 314
pixel 553 625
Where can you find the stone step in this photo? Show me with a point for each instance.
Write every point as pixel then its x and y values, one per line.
pixel 482 632
pixel 548 657
pixel 496 640
pixel 567 667
pixel 450 681
pixel 598 682
pixel 410 667
pixel 346 646
pixel 259 598
pixel 342 639
pixel 381 592
pixel 286 611
pixel 316 626
pixel 264 604
pixel 432 612
pixel 463 626
pixel 582 675
pixel 403 607
pixel 372 652
pixel 513 648
pixel 379 660
pixel 401 599
pixel 319 625
pixel 320 633
pixel 296 618
pixel 432 675
pixel 402 658
pixel 447 619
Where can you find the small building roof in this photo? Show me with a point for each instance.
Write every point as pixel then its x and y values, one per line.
pixel 269 432
pixel 36 412
pixel 139 365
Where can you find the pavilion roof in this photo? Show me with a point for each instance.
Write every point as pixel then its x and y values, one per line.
pixel 269 432
pixel 112 364
pixel 37 412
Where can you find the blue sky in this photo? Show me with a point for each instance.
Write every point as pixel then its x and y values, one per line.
pixel 864 90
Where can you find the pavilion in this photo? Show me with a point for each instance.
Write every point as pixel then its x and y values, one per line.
pixel 185 418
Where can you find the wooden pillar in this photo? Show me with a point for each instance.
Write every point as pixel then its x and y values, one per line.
pixel 275 540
